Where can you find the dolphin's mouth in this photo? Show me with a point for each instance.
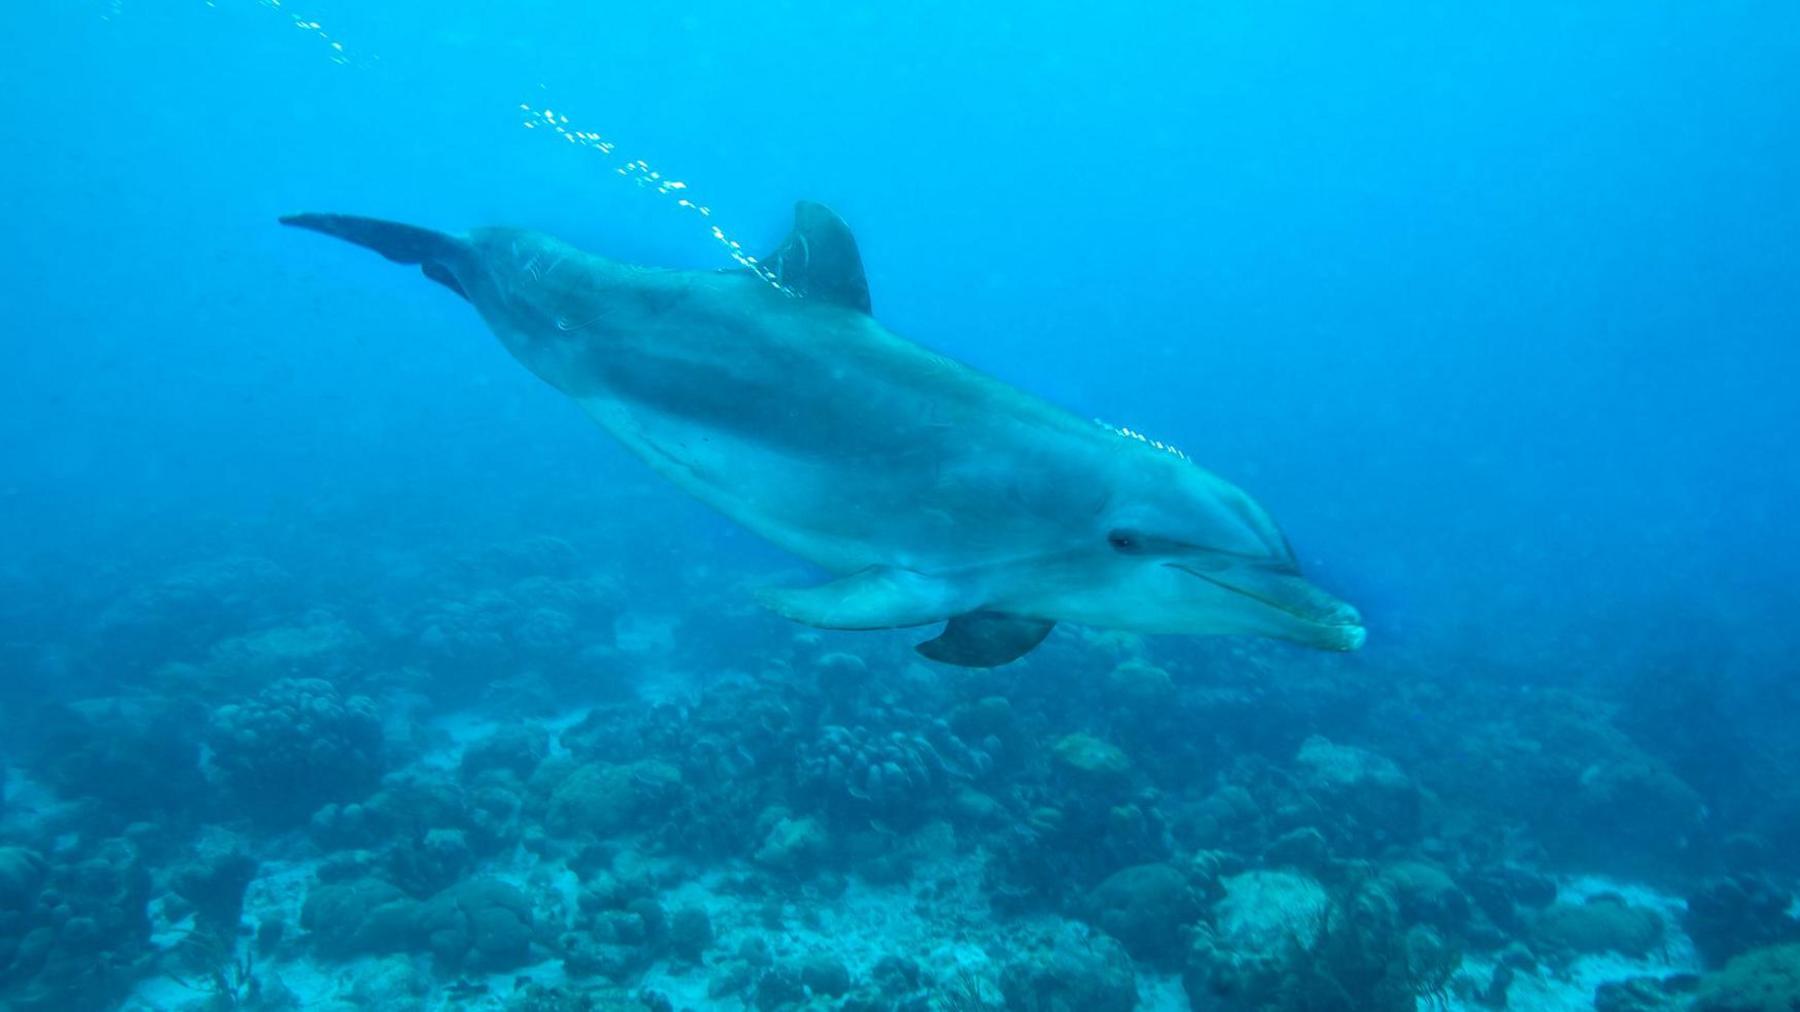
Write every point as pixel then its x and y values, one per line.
pixel 1333 623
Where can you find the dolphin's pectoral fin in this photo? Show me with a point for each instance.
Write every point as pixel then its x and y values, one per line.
pixel 985 639
pixel 880 597
pixel 818 259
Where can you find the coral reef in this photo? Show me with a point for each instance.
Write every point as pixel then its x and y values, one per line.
pixel 1762 980
pixel 1071 969
pixel 73 929
pixel 1148 907
pixel 293 747
pixel 1726 916
pixel 1602 924
pixel 891 776
pixel 507 792
pixel 478 924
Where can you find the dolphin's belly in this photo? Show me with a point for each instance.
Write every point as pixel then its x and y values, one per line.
pixel 846 501
pixel 822 431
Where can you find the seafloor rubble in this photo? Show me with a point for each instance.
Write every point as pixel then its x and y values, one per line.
pixel 502 781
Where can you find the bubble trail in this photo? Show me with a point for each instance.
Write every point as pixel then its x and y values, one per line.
pixel 1155 444
pixel 639 171
pixel 311 26
pixel 308 25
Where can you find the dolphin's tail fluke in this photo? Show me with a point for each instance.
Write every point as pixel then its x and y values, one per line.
pixel 439 255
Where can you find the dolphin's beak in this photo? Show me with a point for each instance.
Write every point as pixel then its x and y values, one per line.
pixel 1297 610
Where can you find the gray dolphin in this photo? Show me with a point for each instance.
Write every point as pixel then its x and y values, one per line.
pixel 933 492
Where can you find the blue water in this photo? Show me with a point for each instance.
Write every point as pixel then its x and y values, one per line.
pixel 1494 309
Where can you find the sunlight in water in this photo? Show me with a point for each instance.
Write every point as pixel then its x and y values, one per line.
pixel 639 171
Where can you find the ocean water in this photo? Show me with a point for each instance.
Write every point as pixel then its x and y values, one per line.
pixel 345 664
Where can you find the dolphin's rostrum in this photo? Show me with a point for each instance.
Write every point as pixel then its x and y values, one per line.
pixel 934 493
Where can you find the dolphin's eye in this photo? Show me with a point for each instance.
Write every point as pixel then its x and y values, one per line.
pixel 1123 540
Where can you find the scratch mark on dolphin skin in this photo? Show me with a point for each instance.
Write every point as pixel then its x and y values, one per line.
pixel 566 326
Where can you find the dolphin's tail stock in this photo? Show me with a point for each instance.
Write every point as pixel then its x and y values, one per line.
pixel 440 256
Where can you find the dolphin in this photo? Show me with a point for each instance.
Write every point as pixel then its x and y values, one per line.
pixel 931 491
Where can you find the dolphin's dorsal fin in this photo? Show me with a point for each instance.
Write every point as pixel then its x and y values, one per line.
pixel 818 259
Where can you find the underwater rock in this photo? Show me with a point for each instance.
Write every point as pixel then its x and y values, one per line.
pixel 1425 894
pixel 1366 795
pixel 1639 799
pixel 794 843
pixel 467 637
pixel 1229 818
pixel 1264 924
pixel 605 798
pixel 482 925
pixel 366 916
pixel 825 974
pixel 514 749
pixel 779 988
pixel 892 775
pixel 1269 910
pixel 182 614
pixel 1089 833
pixel 323 648
pixel 213 880
pixel 1358 952
pixel 896 976
pixel 293 747
pixel 985 717
pixel 622 931
pixel 137 756
pixel 22 870
pixel 590 954
pixel 345 827
pixel 1762 980
pixel 1646 994
pixel 1090 758
pixel 1302 849
pixel 391 982
pixel 539 555
pixel 1140 684
pixel 1073 969
pixel 690 933
pixel 1508 893
pixel 430 863
pixel 731 977
pixel 1603 924
pixel 538 623
pixel 1555 764
pixel 1727 916
pixel 81 936
pixel 1148 907
pixel 977 808
pixel 410 804
pixel 841 676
